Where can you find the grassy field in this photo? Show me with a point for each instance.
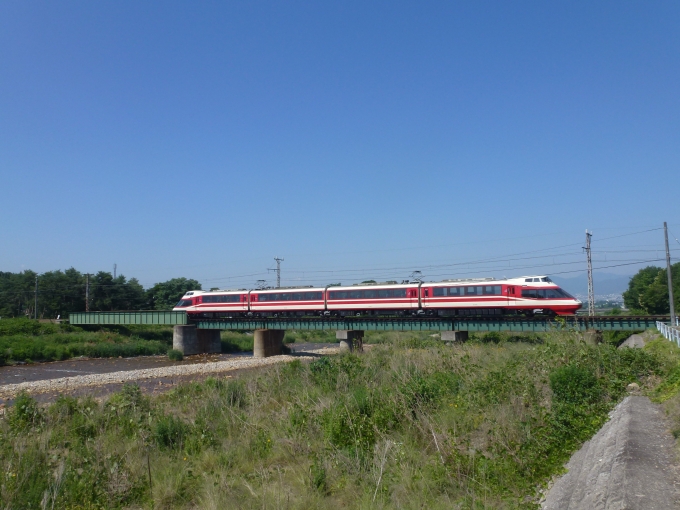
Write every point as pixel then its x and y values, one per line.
pixel 28 340
pixel 25 340
pixel 410 423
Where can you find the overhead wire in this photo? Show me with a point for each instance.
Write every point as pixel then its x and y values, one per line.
pixel 387 271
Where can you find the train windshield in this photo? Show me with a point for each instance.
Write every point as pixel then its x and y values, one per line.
pixel 183 303
pixel 545 294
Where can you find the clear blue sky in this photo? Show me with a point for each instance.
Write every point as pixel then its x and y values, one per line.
pixel 201 139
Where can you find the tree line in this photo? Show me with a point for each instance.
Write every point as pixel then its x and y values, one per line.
pixel 648 291
pixel 63 292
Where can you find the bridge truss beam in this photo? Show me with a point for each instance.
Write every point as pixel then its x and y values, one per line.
pixel 537 325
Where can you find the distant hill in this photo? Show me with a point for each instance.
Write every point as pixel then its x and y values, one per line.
pixel 603 283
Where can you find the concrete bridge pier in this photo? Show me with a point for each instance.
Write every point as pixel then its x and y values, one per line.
pixel 592 337
pixel 454 336
pixel 189 340
pixel 267 342
pixel 185 339
pixel 350 339
pixel 209 341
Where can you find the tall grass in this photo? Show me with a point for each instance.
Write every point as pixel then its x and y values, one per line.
pixel 407 424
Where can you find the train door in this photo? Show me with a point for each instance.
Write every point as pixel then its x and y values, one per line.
pixel 511 294
pixel 425 294
pixel 244 302
pixel 412 295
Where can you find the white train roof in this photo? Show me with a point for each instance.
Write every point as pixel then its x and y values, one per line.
pixel 520 280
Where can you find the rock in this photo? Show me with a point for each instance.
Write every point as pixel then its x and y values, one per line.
pixel 633 387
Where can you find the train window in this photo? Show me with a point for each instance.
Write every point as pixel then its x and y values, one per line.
pixel 565 293
pixel 546 279
pixel 439 291
pixel 232 298
pixel 291 296
pixel 529 293
pixel 492 290
pixel 456 291
pixel 367 294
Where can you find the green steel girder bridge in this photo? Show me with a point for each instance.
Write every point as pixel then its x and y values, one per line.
pixel 471 324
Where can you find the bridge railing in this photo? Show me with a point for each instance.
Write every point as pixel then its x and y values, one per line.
pixel 669 332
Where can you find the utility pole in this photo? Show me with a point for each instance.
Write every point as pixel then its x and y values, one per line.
pixel 278 272
pixel 115 266
pixel 87 293
pixel 591 292
pixel 35 312
pixel 670 277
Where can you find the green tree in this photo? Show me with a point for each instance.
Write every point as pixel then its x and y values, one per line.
pixel 648 290
pixel 637 286
pixel 165 295
pixel 110 294
pixel 17 294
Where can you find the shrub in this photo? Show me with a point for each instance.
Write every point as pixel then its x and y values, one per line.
pixel 616 338
pixel 317 474
pixel 573 384
pixel 493 337
pixel 175 355
pixel 25 412
pixel 261 443
pixel 235 393
pixel 129 398
pixel 171 432
pixel 235 341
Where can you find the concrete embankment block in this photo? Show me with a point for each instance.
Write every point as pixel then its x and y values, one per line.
pixel 629 464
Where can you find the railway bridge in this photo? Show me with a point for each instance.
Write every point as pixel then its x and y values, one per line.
pixel 203 335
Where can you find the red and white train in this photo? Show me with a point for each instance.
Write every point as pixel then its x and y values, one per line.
pixel 526 295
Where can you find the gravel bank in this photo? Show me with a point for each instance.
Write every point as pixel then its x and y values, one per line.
pixel 70 383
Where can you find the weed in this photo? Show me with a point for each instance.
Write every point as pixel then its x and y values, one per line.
pixel 171 432
pixel 24 413
pixel 175 355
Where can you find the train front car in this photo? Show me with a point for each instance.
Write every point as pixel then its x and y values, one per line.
pixel 539 294
pixel 527 295
pixel 187 302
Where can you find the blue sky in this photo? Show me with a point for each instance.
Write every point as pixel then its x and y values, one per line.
pixel 353 139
